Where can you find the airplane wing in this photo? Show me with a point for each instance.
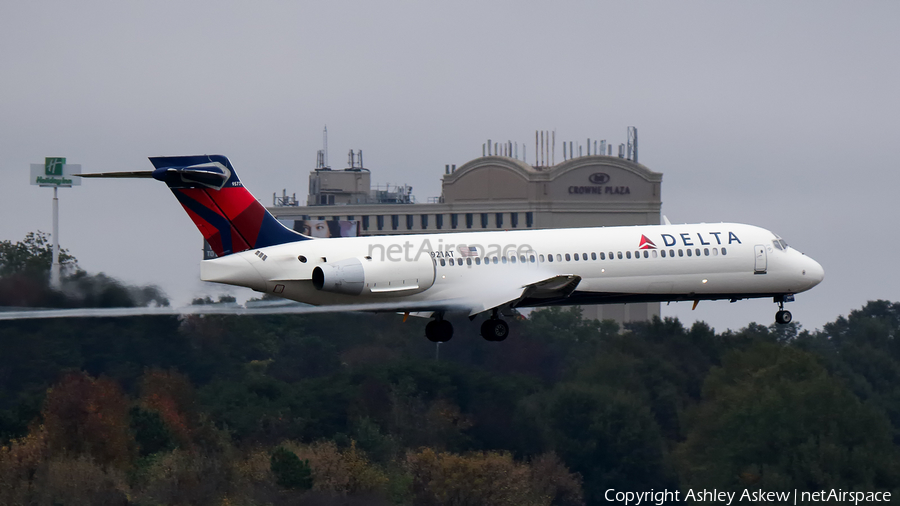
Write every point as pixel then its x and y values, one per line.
pixel 511 293
pixel 474 303
pixel 279 307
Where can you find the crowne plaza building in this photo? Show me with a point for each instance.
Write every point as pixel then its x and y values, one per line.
pixel 497 191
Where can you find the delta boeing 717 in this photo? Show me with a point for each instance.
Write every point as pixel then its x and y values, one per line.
pixel 479 273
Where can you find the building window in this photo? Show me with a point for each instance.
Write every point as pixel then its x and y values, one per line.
pixel 484 220
pixel 454 220
pixel 439 220
pixel 380 220
pixel 469 220
pixel 529 219
pixel 409 222
pixel 395 221
pixel 514 219
pixel 365 223
pixel 499 220
pixel 424 221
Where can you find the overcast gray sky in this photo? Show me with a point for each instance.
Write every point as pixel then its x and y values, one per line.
pixel 778 114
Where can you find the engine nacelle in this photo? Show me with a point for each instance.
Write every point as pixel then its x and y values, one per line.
pixel 357 276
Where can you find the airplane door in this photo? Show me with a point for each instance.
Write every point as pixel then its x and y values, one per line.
pixel 760 254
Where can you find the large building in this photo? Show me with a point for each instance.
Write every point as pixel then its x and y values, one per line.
pixel 495 193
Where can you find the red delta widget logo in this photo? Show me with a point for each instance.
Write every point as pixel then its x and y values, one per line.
pixel 687 239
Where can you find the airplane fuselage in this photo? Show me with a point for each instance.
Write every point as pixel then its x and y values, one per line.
pixel 604 265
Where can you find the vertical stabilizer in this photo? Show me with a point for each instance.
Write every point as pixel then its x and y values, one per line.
pixel 229 217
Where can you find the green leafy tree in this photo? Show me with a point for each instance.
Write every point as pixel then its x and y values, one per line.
pixel 32 256
pixel 772 417
pixel 289 471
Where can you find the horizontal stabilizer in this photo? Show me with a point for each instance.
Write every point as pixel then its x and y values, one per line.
pixel 138 174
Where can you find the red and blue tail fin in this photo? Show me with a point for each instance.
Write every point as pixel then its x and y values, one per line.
pixel 229 217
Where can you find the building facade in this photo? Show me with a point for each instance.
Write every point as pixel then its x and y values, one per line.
pixel 501 193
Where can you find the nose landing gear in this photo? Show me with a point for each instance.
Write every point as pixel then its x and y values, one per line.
pixel 783 317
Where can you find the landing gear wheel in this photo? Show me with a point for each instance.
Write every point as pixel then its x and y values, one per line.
pixel 783 317
pixel 494 329
pixel 439 331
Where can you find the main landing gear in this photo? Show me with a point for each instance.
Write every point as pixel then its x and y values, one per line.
pixel 439 330
pixel 783 317
pixel 494 329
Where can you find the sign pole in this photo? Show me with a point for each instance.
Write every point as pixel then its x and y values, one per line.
pixel 54 269
pixel 57 173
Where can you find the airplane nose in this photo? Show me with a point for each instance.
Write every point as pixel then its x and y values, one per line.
pixel 813 272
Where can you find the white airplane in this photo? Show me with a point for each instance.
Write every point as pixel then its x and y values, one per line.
pixel 478 272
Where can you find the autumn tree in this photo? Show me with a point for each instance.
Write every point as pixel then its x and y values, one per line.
pixel 87 416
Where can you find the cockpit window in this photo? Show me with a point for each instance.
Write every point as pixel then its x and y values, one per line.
pixel 779 243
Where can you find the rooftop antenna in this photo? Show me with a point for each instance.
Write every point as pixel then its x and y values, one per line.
pixel 325 146
pixel 632 144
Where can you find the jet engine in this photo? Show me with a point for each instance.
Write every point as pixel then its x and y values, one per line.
pixel 358 276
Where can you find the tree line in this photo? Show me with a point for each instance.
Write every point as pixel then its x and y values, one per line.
pixel 361 409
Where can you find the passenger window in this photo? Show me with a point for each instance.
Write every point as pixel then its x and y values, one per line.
pixel 576 257
pixel 531 258
pixel 653 253
pixel 697 251
pixel 689 253
pixel 459 261
pixel 593 255
pixel 541 258
pixel 477 261
pixel 706 251
pixel 495 260
pixel 619 255
pixel 558 257
pixel 522 258
pixel 637 254
pixel 663 253
pixel 549 258
pixel 715 251
pixel 724 252
pixel 584 256
pixel 672 253
pixel 646 254
pixel 602 256
pixel 468 261
pixel 568 257
pixel 628 254
pixel 512 258
pixel 443 262
pixel 503 260
pixel 681 253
